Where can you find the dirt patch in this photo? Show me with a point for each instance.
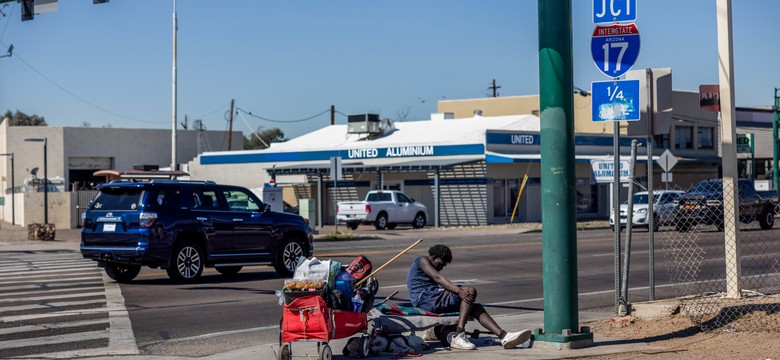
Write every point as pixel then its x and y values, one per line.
pixel 750 336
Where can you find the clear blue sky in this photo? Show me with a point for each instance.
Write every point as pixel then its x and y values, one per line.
pixel 289 60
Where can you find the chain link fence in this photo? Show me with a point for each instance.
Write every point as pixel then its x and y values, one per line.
pixel 720 275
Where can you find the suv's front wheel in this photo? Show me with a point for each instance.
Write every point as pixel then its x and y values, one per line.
pixel 187 262
pixel 287 256
pixel 122 272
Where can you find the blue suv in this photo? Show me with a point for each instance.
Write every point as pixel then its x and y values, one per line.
pixel 185 226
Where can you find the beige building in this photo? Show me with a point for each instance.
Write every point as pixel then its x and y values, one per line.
pixel 74 154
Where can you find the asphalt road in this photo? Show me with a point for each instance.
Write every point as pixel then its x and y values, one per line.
pixel 219 314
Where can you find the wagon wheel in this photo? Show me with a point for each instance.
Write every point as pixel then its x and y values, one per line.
pixel 364 342
pixel 326 353
pixel 284 353
pixel 444 333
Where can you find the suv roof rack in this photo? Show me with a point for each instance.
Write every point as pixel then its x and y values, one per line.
pixel 164 181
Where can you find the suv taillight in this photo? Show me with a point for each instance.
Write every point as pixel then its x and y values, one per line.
pixel 146 219
pixel 368 208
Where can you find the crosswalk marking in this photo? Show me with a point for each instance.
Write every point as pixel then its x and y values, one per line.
pixel 52 300
pixel 37 272
pixel 55 297
pixel 55 290
pixel 9 289
pixel 55 339
pixel 62 325
pixel 15 279
pixel 7 309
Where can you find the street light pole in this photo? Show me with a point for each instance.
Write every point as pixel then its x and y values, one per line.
pixel 45 178
pixel 13 191
pixel 774 142
pixel 173 110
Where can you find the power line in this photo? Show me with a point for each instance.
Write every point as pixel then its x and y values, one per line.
pixel 13 6
pixel 16 56
pixel 213 111
pixel 281 121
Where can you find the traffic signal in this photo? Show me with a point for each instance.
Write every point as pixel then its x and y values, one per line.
pixel 27 10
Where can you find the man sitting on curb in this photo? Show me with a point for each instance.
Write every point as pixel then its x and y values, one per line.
pixel 431 291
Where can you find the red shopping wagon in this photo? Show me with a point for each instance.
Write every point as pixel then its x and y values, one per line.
pixel 308 318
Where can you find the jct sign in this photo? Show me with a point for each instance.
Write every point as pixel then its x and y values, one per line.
pixel 607 11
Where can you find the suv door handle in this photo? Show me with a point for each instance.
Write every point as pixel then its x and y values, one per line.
pixel 201 219
pixel 238 220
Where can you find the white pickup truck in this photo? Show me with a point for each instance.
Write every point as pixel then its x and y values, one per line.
pixel 384 208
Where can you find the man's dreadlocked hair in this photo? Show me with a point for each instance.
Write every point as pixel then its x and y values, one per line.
pixel 442 252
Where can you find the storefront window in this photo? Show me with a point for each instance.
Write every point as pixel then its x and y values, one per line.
pixel 661 141
pixel 587 196
pixel 504 197
pixel 683 137
pixel 705 138
pixel 499 196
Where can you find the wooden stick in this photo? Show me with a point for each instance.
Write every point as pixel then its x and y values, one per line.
pixel 388 297
pixel 388 262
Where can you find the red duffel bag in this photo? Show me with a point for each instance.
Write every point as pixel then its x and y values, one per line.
pixel 306 318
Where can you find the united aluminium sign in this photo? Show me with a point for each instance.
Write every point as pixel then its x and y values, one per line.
pixel 415 151
pixel 604 170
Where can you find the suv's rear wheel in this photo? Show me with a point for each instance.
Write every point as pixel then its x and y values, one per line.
pixel 228 270
pixel 122 272
pixel 187 262
pixel 287 256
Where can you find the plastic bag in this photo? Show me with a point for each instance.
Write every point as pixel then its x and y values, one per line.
pixel 313 269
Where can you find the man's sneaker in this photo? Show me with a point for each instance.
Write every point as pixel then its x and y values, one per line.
pixel 513 339
pixel 460 342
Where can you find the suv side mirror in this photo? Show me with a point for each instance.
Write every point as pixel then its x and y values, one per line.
pixel 266 208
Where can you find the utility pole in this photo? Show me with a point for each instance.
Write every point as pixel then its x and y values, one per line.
pixel 230 127
pixel 332 115
pixel 494 88
pixel 774 143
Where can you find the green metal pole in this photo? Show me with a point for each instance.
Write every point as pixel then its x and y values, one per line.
pixel 774 144
pixel 559 235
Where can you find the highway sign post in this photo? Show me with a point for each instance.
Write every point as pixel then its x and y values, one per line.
pixel 609 11
pixel 615 48
pixel 615 100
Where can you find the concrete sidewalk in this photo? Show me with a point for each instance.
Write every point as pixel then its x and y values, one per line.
pixel 487 346
pixel 14 239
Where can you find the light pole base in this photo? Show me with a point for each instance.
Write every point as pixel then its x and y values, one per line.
pixel 564 341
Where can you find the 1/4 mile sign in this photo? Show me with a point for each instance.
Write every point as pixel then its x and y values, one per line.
pixel 615 48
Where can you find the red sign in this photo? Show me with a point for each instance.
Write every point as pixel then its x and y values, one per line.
pixel 709 97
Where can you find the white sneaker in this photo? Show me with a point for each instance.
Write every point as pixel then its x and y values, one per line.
pixel 461 343
pixel 513 339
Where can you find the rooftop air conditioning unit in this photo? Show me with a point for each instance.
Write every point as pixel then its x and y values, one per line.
pixel 363 123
